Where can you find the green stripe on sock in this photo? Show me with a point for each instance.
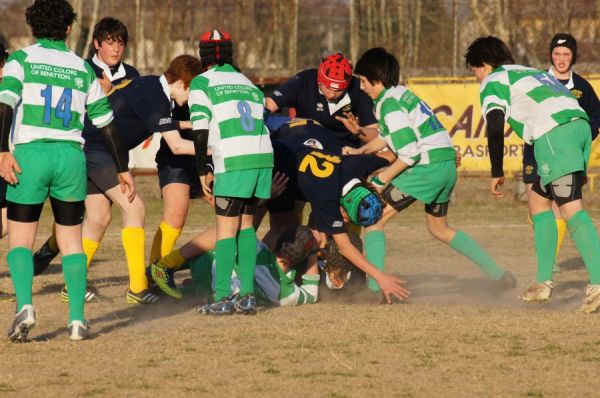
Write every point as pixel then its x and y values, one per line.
pixel 375 253
pixel 225 251
pixel 20 264
pixel 586 239
pixel 247 260
pixel 75 273
pixel 546 238
pixel 465 245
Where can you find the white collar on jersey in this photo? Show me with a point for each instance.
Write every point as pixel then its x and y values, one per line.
pixel 570 83
pixel 334 107
pixel 165 86
pixel 118 75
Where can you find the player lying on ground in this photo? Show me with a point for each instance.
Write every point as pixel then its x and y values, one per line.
pixel 274 279
pixel 425 168
pixel 563 55
pixel 544 113
pixel 47 113
pixel 227 114
pixel 142 106
pixel 318 173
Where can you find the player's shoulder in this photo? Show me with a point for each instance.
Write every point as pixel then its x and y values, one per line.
pixel 130 71
pixel 580 81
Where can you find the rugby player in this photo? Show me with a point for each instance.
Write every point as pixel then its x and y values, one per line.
pixel 227 114
pixel 425 167
pixel 318 173
pixel 274 279
pixel 3 230
pixel 330 95
pixel 545 114
pixel 110 38
pixel 45 92
pixel 563 55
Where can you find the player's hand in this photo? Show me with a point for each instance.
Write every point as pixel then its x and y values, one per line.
pixel 206 182
pixel 348 150
pixel 458 159
pixel 496 186
pixel 127 185
pixel 391 286
pixel 105 83
pixel 9 168
pixel 350 122
pixel 278 184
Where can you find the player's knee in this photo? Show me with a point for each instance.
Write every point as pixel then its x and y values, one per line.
pixel 98 219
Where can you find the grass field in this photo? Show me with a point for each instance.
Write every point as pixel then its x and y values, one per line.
pixel 453 339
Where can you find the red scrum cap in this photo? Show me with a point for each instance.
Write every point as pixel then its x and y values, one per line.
pixel 335 72
pixel 215 48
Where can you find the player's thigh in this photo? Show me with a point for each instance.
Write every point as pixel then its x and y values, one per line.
pixel 69 182
pixel 133 212
pixel 176 203
pixel 21 234
pixel 97 210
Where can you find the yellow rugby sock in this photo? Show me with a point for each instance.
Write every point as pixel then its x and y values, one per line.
pixel 133 239
pixel 173 260
pixel 89 248
pixel 164 241
pixel 561 225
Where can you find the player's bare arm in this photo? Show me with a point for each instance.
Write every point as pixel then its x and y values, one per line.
pixel 390 285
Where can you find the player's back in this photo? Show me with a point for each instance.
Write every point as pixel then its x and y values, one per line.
pixel 225 102
pixel 54 86
pixel 533 101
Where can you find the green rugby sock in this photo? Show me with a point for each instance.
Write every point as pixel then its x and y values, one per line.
pixel 225 260
pixel 465 245
pixel 586 239
pixel 247 260
pixel 546 239
pixel 375 253
pixel 20 264
pixel 75 273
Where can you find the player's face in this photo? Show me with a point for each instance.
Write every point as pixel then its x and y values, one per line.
pixel 110 51
pixel 562 57
pixel 330 94
pixel 372 90
pixel 179 93
pixel 481 72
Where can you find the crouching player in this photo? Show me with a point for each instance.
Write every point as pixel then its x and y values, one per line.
pixel 318 173
pixel 425 168
pixel 544 113
pixel 274 279
pixel 47 114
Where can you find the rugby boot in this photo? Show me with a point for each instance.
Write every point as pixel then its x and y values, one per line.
pixel 538 292
pixel 506 282
pixel 143 297
pixel 221 307
pixel 78 331
pixel 591 303
pixel 164 280
pixel 24 321
pixel 90 294
pixel 246 305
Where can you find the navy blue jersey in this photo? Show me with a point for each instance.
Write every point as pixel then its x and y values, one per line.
pixel 312 158
pixel 587 98
pixel 141 108
pixel 93 140
pixel 302 93
pixel 165 156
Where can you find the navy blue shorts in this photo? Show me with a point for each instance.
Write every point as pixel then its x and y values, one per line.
pixel 168 174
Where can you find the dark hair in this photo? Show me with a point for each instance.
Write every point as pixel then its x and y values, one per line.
pixel 184 68
pixel 3 54
pixel 564 40
pixel 376 64
pixel 109 28
pixel 50 19
pixel 296 244
pixel 490 50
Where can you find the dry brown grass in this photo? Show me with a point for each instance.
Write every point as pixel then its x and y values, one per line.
pixel 452 339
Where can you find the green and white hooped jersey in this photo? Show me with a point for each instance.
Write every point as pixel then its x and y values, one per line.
pixel 411 129
pixel 533 101
pixel 272 286
pixel 50 89
pixel 226 103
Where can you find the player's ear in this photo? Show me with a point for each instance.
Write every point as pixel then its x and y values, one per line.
pixel 344 215
pixel 96 45
pixel 68 29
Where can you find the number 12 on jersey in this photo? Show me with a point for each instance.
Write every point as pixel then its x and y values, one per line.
pixel 63 106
